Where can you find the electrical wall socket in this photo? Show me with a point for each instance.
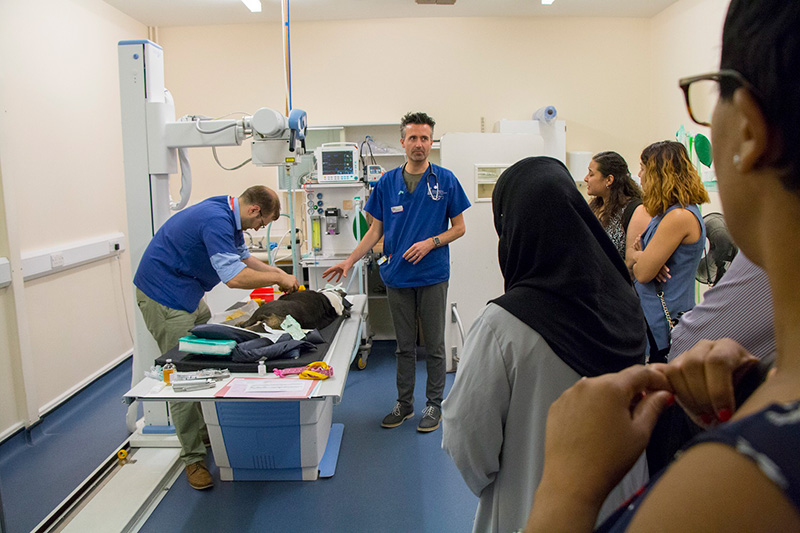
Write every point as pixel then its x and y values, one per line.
pixel 56 260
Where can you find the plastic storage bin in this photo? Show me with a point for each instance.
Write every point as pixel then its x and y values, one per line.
pixel 262 295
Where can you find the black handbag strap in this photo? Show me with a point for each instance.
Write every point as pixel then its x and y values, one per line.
pixel 656 355
pixel 660 294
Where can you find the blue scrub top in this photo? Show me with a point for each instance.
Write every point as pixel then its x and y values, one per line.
pixel 193 251
pixel 412 217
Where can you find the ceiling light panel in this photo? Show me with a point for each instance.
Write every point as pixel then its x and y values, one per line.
pixel 253 5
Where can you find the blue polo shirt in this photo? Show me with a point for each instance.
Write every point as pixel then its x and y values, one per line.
pixel 412 217
pixel 194 250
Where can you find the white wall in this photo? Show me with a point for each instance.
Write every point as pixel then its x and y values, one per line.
pixel 61 162
pixel 461 71
pixel 458 70
pixel 684 40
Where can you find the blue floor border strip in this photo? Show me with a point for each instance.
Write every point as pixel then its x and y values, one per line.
pixel 89 389
pixel 327 465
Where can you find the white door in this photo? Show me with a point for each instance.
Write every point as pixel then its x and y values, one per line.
pixel 474 273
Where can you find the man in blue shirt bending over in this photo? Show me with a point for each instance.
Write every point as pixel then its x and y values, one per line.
pixel 411 206
pixel 193 251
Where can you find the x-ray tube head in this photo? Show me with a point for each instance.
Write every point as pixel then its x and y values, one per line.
pixel 269 123
pixel 275 137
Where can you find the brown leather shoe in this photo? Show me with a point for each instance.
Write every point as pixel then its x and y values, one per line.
pixel 198 476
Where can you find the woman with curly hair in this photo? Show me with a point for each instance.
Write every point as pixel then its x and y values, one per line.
pixel 617 201
pixel 664 260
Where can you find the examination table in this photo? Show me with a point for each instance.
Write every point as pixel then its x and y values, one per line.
pixel 274 438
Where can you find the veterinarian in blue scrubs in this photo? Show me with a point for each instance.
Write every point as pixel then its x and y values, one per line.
pixel 193 251
pixel 411 206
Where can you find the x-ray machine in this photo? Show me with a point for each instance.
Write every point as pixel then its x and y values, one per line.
pixel 152 143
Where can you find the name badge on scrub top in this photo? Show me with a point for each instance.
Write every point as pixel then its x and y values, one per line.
pixel 397 209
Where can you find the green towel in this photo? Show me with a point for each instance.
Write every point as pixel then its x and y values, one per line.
pixel 192 344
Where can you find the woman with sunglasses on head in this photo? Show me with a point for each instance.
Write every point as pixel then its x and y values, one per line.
pixel 617 199
pixel 664 260
pixel 743 474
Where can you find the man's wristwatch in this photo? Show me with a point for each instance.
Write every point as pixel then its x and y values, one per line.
pixel 436 242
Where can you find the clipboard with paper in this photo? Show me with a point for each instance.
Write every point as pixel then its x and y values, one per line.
pixel 266 387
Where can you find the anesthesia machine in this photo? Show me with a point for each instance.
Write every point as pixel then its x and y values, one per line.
pixel 333 207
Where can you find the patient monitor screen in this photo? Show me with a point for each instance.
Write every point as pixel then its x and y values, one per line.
pixel 339 164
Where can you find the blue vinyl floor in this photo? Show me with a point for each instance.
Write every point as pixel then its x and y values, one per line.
pixel 392 480
pixel 41 467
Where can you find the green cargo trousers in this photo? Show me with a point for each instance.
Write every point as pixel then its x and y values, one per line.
pixel 167 327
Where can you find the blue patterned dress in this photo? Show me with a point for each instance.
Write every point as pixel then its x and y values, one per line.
pixel 770 438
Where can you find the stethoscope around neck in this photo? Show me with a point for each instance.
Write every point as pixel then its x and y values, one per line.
pixel 433 193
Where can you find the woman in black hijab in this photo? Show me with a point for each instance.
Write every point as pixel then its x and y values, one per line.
pixel 569 310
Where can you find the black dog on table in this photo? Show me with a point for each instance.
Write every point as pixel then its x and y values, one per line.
pixel 311 309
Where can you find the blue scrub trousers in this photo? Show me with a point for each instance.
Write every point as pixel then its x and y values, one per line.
pixel 428 303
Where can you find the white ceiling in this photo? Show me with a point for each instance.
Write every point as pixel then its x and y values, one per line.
pixel 162 13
